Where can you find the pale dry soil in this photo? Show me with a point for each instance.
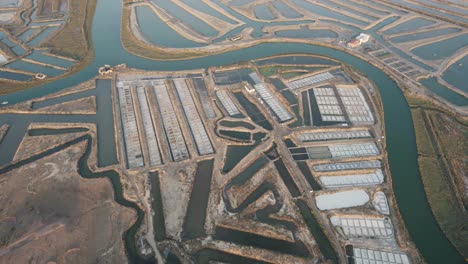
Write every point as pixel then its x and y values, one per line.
pixel 50 214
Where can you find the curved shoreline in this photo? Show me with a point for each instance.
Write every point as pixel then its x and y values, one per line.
pixel 202 52
pixel 401 152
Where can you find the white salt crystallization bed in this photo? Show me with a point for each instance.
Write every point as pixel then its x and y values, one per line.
pixel 343 199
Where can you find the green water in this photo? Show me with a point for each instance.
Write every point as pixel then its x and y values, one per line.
pixel 400 137
pixel 159 33
pixel 263 12
pixel 286 10
pixel 236 135
pixel 41 57
pixel 48 131
pixel 436 87
pixel 306 33
pixel 233 124
pixel 456 74
pixel 441 49
pixel 409 25
pixel 424 35
pixel 236 153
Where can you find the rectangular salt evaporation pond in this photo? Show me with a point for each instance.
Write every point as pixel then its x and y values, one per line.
pixel 28 33
pixel 432 10
pixel 41 57
pixel 14 76
pixel 354 150
pixel 353 180
pixel 444 6
pixel 425 35
pixel 324 106
pixel 456 74
pixel 441 49
pixel 8 3
pixel 202 92
pixel 187 18
pixel 171 124
pixel 356 106
pixel 357 226
pixel 255 79
pixel 322 11
pixel 132 143
pixel 365 255
pixel 263 12
pixel 201 6
pixel 148 127
pixel 18 50
pixel 309 80
pixel 34 68
pixel 8 42
pixel 409 25
pixel 360 14
pixel 273 103
pixel 193 118
pixel 286 10
pixel 444 92
pixel 39 38
pixel 152 28
pixel 228 103
pixel 343 151
pixel 355 165
pixel 240 2
pixel 343 199
pixel 233 76
pixel 369 9
pixel 306 33
pixel 333 135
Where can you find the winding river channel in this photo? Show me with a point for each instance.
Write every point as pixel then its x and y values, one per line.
pixel 400 137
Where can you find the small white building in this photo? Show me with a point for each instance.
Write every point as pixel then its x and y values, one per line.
pixel 359 40
pixel 363 38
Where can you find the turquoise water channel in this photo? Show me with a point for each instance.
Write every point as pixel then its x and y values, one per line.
pixel 400 137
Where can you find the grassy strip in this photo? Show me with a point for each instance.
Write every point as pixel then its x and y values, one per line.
pixel 292 74
pixel 270 70
pixel 440 196
pixel 422 137
pixel 438 189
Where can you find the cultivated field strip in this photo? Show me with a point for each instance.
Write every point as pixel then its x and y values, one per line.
pixel 149 130
pixel 227 103
pixel 171 125
pixel 193 118
pixel 129 126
